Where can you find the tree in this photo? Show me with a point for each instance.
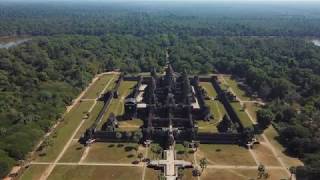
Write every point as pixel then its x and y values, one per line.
pixel 203 163
pixel 265 117
pixel 262 172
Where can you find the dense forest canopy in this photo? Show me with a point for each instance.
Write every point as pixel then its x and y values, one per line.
pixel 74 42
pixel 155 17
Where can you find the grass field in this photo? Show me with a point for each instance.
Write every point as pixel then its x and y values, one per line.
pixel 243 116
pixel 96 173
pixel 205 126
pixel 216 108
pixel 33 172
pixel 64 130
pixel 93 116
pixel 95 90
pixel 225 154
pixel 73 153
pixel 236 89
pixel 240 174
pixel 114 152
pixel 265 155
pixel 252 109
pixel 152 174
pixel 272 135
pixel 209 89
pixel 184 153
pixel 130 125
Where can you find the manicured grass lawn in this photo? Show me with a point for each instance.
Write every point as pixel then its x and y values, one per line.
pixel 96 173
pixel 209 89
pixel 272 135
pixel 215 106
pixel 95 90
pixel 93 116
pixel 243 116
pixel 225 154
pixel 265 155
pixel 205 126
pixel 73 153
pixel 65 130
pixel 114 152
pixel 33 172
pixel 236 89
pixel 130 125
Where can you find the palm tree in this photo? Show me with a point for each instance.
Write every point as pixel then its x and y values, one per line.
pixel 203 163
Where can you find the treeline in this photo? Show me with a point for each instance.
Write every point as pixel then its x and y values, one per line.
pixel 39 78
pixel 285 72
pixel 141 20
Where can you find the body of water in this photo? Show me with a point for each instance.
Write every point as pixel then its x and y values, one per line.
pixel 316 42
pixel 13 43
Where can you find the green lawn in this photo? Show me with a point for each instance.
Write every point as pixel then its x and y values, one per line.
pixel 33 172
pixel 252 109
pixel 96 173
pixel 114 152
pixel 64 131
pixel 236 89
pixel 225 154
pixel 95 90
pixel 93 116
pixel 272 136
pixel 216 106
pixel 73 153
pixel 243 116
pixel 205 126
pixel 209 89
pixel 130 125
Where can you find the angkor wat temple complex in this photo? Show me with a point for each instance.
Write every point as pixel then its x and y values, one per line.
pixel 169 105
